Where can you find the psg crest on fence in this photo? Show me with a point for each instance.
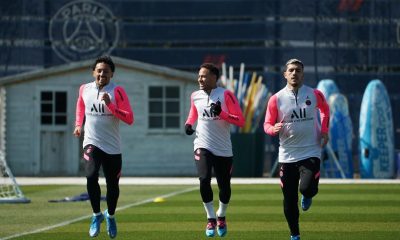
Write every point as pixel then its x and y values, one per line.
pixel 83 29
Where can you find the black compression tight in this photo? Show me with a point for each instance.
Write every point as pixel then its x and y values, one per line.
pixel 94 158
pixel 307 171
pixel 205 163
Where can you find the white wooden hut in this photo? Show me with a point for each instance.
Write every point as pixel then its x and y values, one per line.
pixel 37 114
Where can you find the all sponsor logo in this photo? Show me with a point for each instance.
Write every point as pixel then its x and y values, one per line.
pixel 98 108
pixel 298 114
pixel 208 114
pixel 83 29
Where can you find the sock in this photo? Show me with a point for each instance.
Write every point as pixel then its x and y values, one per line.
pixel 97 214
pixel 222 209
pixel 209 207
pixel 109 215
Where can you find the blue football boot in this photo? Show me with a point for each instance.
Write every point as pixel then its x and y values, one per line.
pixel 95 225
pixel 210 229
pixel 305 203
pixel 222 228
pixel 111 225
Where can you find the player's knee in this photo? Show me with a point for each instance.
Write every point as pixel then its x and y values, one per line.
pixel 92 176
pixel 205 181
pixel 290 199
pixel 91 172
pixel 112 184
pixel 92 182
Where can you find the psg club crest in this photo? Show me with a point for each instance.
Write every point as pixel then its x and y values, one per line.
pixel 83 29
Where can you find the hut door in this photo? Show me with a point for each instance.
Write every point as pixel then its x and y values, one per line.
pixel 53 133
pixel 52 153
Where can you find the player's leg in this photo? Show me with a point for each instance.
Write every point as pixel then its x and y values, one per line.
pixel 92 165
pixel 289 178
pixel 309 179
pixel 203 159
pixel 112 165
pixel 223 173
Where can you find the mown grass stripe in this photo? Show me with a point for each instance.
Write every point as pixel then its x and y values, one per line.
pixel 88 216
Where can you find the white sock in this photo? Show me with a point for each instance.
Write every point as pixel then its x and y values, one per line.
pixel 222 209
pixel 209 207
pixel 109 216
pixel 97 214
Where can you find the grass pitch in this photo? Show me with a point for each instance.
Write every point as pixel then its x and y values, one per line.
pixel 348 211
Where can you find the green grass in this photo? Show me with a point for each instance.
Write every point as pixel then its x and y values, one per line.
pixel 369 211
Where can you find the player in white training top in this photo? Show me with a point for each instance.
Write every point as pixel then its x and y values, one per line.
pixel 292 114
pixel 100 107
pixel 215 109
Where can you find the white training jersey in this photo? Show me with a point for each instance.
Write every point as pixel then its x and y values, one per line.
pixel 212 133
pixel 300 136
pixel 101 126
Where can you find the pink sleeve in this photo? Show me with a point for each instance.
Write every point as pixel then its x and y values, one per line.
pixel 234 114
pixel 122 109
pixel 271 115
pixel 192 117
pixel 323 107
pixel 80 109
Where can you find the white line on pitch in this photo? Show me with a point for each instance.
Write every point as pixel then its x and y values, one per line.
pixel 149 200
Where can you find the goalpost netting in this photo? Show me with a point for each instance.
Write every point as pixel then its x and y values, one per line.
pixel 9 189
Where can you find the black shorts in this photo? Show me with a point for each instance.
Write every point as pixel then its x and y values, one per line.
pixel 94 158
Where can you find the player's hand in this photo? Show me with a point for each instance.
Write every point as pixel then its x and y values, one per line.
pixel 106 98
pixel 277 127
pixel 77 131
pixel 216 108
pixel 324 139
pixel 188 129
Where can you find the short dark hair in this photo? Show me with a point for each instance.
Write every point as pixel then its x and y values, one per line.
pixel 212 68
pixel 294 61
pixel 106 60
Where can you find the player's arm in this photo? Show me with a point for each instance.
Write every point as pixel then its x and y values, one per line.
pixel 122 107
pixel 271 127
pixel 234 114
pixel 192 117
pixel 323 107
pixel 80 113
